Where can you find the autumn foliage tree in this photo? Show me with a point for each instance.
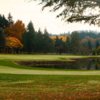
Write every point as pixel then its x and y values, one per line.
pixel 15 30
pixel 13 42
pixel 13 45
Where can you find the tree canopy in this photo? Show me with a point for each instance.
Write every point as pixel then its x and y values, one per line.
pixel 76 10
pixel 15 30
pixel 16 38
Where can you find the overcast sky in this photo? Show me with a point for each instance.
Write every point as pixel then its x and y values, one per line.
pixel 31 11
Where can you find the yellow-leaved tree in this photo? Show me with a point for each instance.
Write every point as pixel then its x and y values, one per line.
pixel 13 42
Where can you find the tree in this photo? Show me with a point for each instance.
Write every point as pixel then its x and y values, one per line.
pixel 89 44
pixel 68 44
pixel 16 30
pixel 29 38
pixel 97 43
pixel 10 20
pixel 75 42
pixel 98 50
pixel 48 45
pixel 39 41
pixel 76 10
pixel 59 45
pixel 13 44
pixel 2 40
pixel 97 47
pixel 3 22
pixel 30 27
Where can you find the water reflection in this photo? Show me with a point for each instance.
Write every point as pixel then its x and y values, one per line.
pixel 81 64
pixel 86 64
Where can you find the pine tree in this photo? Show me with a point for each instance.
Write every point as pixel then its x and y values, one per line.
pixel 97 43
pixel 48 45
pixel 75 42
pixel 2 40
pixel 3 22
pixel 10 19
pixel 59 45
pixel 29 38
pixel 68 45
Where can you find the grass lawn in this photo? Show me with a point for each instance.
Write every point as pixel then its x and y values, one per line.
pixel 23 83
pixel 41 57
pixel 49 87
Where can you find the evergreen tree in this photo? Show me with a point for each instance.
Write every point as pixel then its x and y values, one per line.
pixel 3 25
pixel 89 44
pixel 75 42
pixel 68 45
pixel 59 45
pixel 3 22
pixel 10 19
pixel 29 38
pixel 30 27
pixel 48 45
pixel 39 41
pixel 97 43
pixel 2 40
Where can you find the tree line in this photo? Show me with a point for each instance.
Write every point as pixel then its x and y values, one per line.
pixel 16 38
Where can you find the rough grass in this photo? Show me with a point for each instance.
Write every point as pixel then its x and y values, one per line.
pixel 49 87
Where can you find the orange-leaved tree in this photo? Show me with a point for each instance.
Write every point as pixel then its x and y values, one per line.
pixel 15 30
pixel 13 42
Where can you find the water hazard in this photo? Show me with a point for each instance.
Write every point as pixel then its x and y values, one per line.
pixel 81 64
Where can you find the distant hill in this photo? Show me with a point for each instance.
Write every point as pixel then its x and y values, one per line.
pixel 91 34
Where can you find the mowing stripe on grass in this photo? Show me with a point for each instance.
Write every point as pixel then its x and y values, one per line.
pixel 10 70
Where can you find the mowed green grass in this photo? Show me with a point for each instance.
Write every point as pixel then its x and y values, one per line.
pixel 41 57
pixel 23 83
pixel 8 65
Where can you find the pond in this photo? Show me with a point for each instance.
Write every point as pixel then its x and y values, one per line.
pixel 81 64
